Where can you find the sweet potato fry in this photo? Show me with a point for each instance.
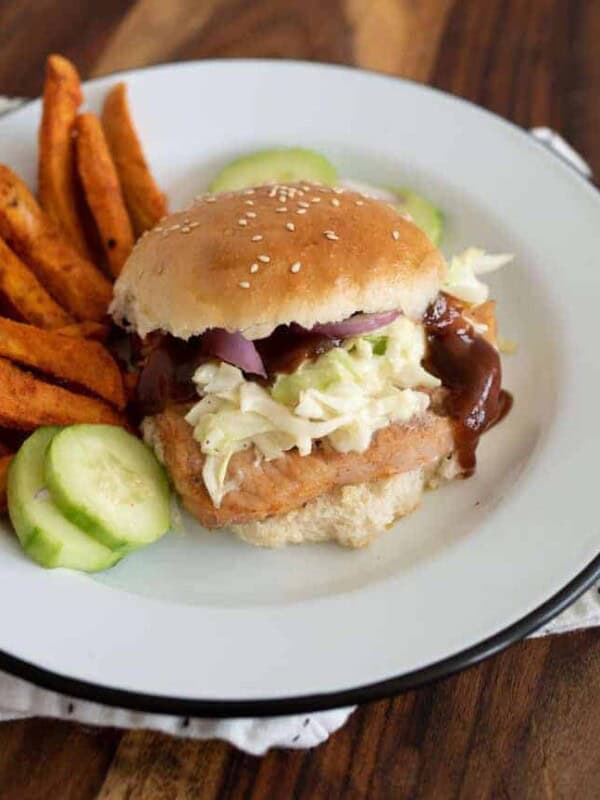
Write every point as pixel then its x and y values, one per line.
pixel 4 465
pixel 26 402
pixel 78 361
pixel 103 191
pixel 26 294
pixel 86 330
pixel 56 160
pixel 70 279
pixel 146 203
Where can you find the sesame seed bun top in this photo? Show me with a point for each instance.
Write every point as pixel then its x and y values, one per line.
pixel 259 258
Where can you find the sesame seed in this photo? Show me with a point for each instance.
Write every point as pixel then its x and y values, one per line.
pixel 244 284
pixel 242 222
pixel 302 204
pixel 159 229
pixel 295 266
pixel 359 202
pixel 339 190
pixel 315 199
pixel 290 226
pixel 257 238
pixel 249 202
pixel 249 191
pixel 251 214
pixel 333 237
pixel 301 211
pixel 282 198
pixel 264 259
pixel 174 228
pixel 395 235
pixel 186 229
pixel 211 199
pixel 273 192
pixel 306 188
pixel 194 224
pixel 281 210
pixel 254 268
pixel 335 202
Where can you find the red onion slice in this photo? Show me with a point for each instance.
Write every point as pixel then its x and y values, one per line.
pixel 234 349
pixel 356 325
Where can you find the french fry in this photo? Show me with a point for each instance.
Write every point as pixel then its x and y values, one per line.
pixel 86 330
pixel 27 295
pixel 4 465
pixel 70 279
pixel 103 191
pixel 78 361
pixel 26 403
pixel 56 159
pixel 146 203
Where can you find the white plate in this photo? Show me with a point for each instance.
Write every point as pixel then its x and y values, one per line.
pixel 203 624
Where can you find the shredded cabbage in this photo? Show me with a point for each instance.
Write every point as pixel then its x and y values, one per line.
pixel 345 395
pixel 463 271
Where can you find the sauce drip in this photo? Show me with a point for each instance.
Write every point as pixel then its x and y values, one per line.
pixel 469 367
pixel 288 347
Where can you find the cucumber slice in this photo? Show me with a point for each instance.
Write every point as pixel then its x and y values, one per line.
pixel 274 166
pixel 45 535
pixel 109 484
pixel 425 215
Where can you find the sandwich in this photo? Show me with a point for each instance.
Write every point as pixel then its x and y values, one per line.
pixel 309 363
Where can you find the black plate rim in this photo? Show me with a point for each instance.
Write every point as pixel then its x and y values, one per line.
pixel 304 704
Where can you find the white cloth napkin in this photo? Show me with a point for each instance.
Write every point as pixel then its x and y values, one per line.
pixel 20 699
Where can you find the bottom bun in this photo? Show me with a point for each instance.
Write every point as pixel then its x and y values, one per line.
pixel 353 515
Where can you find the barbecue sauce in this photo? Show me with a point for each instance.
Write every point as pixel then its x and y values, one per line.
pixel 168 364
pixel 469 367
pixel 166 376
pixel 289 347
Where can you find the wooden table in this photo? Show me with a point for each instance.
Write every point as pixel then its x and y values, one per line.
pixel 525 724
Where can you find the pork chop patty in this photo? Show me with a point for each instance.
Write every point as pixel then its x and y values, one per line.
pixel 265 488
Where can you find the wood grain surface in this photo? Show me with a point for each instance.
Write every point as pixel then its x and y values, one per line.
pixel 525 724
